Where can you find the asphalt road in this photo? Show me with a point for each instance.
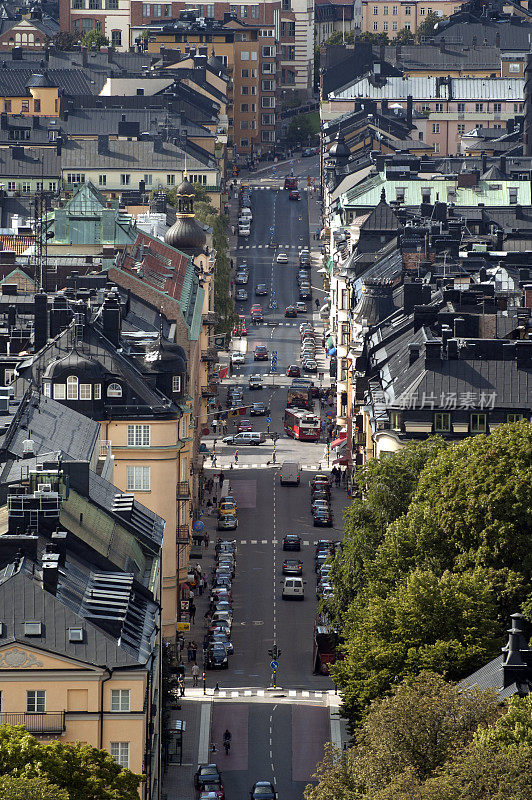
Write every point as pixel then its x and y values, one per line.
pixel 273 738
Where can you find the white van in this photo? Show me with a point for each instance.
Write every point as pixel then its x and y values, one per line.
pixel 244 230
pixel 246 214
pixel 293 588
pixel 290 473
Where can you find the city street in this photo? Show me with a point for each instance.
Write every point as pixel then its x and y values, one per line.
pixel 277 735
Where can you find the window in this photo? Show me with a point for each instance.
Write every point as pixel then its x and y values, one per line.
pixel 26 187
pixel 97 391
pixel 385 26
pixel 37 106
pixel 102 180
pixel 478 423
pixel 244 125
pixel 7 106
pixel 394 26
pixel 111 5
pixel 394 11
pixel 120 753
pixel 512 192
pixel 422 12
pixel 167 10
pixel 513 68
pixel 425 195
pixel 518 107
pixel 125 179
pixel 209 10
pixel 497 108
pixel 243 11
pixel 52 186
pixel 345 300
pixel 25 105
pixel 396 420
pixel 385 10
pixel 94 5
pixel 11 186
pixel 36 701
pixel 244 73
pixel 375 26
pixel 170 179
pixel 268 119
pixel 479 107
pixel 244 142
pixel 286 5
pixel 116 38
pixel 59 391
pixel 461 108
pixel 439 107
pixel 244 55
pixel 400 194
pixel 460 128
pixel 77 4
pixel 75 634
pixel 268 102
pixel 254 12
pixel 375 11
pixel 85 391
pixel 72 387
pixel 146 10
pixel 148 179
pixel 268 51
pixel 435 127
pixel 436 147
pixel 138 435
pixel 138 479
pixel 46 387
pixel 408 11
pixel 114 390
pixel 407 25
pixel 442 422
pixel 120 699
pixel 156 10
pixel 268 86
pixel 176 383
pixel 86 24
pixel 514 417
pixel 75 177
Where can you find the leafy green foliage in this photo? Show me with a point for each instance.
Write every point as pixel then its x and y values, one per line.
pixel 13 788
pixel 514 728
pixel 436 556
pixel 85 772
pixel 404 36
pixel 404 740
pixel 95 38
pixel 426 28
pixel 65 40
pixel 374 38
pixel 338 38
pixel 303 127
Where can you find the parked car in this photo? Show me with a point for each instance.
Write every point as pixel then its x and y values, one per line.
pixel 301 307
pixel 217 657
pixel 227 523
pixel 207 774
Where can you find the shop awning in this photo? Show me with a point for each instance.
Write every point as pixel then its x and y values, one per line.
pixel 329 342
pixel 342 461
pixel 341 440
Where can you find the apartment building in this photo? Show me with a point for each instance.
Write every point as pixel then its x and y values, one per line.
pixel 249 54
pixel 383 16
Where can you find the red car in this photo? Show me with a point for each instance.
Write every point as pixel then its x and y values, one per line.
pixel 294 194
pixel 245 426
pixel 256 307
pixel 293 371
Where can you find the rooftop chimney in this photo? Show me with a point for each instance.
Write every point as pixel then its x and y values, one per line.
pixel 40 330
pixel 528 295
pixel 442 44
pixel 83 56
pixel 514 669
pixel 432 351
pixel 111 320
pixel 413 352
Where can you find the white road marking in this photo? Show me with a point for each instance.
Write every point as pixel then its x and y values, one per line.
pixel 204 734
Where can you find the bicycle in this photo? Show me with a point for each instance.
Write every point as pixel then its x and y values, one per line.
pixel 227 746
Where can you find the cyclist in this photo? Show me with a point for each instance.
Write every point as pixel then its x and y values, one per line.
pixel 227 741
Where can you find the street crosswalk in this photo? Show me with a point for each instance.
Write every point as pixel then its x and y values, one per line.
pixel 221 462
pixel 304 542
pixel 267 246
pixel 244 693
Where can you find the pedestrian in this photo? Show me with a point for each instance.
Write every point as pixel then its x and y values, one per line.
pixel 206 543
pixel 195 649
pixel 213 459
pixel 232 285
pixel 214 426
pixel 236 456
pixel 195 675
pixel 233 229
pixel 232 263
pixel 181 685
pixel 221 478
pixel 206 618
pixel 181 668
pixel 317 303
pixel 190 652
pixel 181 642
pixel 200 585
pixel 338 478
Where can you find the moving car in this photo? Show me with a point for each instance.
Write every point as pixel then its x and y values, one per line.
pixel 263 790
pixel 309 365
pixel 301 307
pixel 292 542
pixel 241 278
pixel 290 473
pixel 308 152
pixel 261 290
pixel 255 382
pixel 282 258
pixel 207 774
pixel 258 410
pixel 294 194
pixel 260 353
pixel 292 566
pixel 238 439
pixel 238 358
pixel 290 311
pixel 256 307
pixel 293 588
pixel 293 371
pixel 241 295
pixel 244 425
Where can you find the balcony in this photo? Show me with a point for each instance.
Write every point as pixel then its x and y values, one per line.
pixel 210 354
pixel 105 449
pixel 182 491
pixel 48 722
pixel 210 318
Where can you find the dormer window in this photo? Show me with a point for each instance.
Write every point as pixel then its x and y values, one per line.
pixel 85 391
pixel 97 391
pixel 176 383
pixel 114 390
pixel 47 389
pixel 32 629
pixel 72 387
pixel 75 634
pixel 59 391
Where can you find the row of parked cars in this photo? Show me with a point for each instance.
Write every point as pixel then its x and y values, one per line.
pixel 220 646
pixel 320 500
pixel 309 348
pixel 246 217
pixel 325 552
pixel 208 782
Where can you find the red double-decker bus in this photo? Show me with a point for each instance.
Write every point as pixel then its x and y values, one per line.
pixel 302 425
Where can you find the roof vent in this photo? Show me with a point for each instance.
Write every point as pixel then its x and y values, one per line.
pixel 28 448
pixel 33 629
pixel 75 634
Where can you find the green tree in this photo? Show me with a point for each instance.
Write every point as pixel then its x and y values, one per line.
pixel 426 29
pixel 95 38
pixel 13 788
pixel 303 126
pixel 404 739
pixel 85 772
pixel 444 623
pixel 348 37
pixel 374 38
pixel 65 40
pixel 404 36
pixel 513 728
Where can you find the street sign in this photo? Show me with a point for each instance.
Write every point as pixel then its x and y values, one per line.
pixel 182 626
pixel 268 420
pixel 184 605
pixel 274 305
pixel 198 525
pixel 274 665
pixel 274 367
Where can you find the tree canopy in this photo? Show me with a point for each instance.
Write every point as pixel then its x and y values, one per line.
pixel 81 770
pixel 95 38
pixel 427 27
pixel 14 788
pixel 435 557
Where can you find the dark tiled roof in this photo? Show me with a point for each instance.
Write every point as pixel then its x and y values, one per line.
pixel 514 35
pixel 382 218
pixel 120 154
pixel 14 81
pixel 32 162
pixel 423 56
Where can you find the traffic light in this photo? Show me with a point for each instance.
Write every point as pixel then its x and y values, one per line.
pixel 235 170
pixel 308 180
pixel 274 652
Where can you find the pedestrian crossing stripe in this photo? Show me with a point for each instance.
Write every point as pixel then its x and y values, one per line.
pixel 227 694
pixel 228 464
pixel 304 542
